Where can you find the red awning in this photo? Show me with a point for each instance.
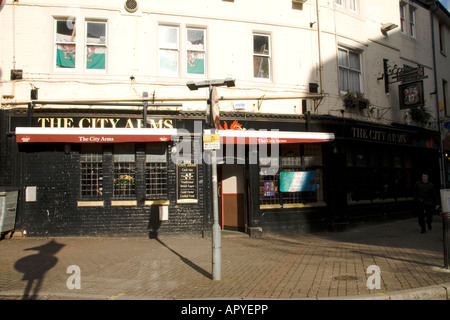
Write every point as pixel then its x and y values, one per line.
pixel 272 137
pixel 89 135
pixel 118 135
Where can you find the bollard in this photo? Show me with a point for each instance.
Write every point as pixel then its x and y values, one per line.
pixel 446 235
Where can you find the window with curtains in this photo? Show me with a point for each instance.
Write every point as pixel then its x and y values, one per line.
pixel 168 42
pixel 349 70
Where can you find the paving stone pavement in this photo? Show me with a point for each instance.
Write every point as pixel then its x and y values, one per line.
pixel 328 265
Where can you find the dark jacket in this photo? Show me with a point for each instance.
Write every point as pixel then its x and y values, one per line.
pixel 425 193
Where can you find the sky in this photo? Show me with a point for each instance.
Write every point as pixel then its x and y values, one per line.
pixel 446 3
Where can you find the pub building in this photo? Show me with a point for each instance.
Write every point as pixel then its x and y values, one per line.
pixel 87 172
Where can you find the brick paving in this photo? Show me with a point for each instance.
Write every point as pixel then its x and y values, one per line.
pixel 295 266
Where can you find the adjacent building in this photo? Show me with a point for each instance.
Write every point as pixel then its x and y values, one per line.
pixel 329 110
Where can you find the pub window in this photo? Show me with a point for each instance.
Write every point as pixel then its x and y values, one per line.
pixel 298 179
pixel 91 165
pixel 168 42
pixel 124 171
pixel 196 52
pixel 268 189
pixel 261 56
pixel 96 45
pixel 156 171
pixel 312 155
pixel 290 155
pixel 65 43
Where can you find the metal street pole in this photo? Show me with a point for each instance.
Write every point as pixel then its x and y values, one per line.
pixel 212 119
pixel 216 230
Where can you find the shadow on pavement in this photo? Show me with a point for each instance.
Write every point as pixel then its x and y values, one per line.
pixel 35 266
pixel 187 261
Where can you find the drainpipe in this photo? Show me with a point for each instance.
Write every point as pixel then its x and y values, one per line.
pixel 318 45
pixel 434 8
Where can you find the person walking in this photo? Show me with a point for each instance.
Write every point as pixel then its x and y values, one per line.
pixel 426 200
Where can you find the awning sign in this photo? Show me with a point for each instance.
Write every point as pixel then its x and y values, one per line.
pixel 106 135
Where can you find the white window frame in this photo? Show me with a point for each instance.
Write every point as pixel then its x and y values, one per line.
pixel 87 45
pixel 340 3
pixel 261 55
pixel 403 26
pixel 171 48
pixel 354 5
pixel 202 51
pixel 348 68
pixel 56 43
pixel 412 22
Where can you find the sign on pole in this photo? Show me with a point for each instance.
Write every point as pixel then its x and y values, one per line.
pixel 211 140
pixel 215 111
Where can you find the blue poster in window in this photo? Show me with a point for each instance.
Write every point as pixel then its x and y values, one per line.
pixel 299 181
pixel 269 188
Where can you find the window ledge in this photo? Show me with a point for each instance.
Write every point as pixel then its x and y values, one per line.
pixel 90 203
pixel 156 202
pixel 116 203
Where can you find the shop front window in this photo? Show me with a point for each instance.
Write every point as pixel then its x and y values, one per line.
pixel 386 175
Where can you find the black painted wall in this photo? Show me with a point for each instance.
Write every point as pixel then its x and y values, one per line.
pixel 56 174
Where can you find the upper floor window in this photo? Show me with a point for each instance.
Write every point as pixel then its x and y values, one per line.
pixel 349 70
pixel 196 52
pixel 403 17
pixel 261 56
pixel 412 22
pixel 96 45
pixel 408 19
pixel 354 5
pixel 442 38
pixel 65 43
pixel 340 2
pixel 168 43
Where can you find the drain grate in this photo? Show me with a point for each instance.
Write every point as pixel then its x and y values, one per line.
pixel 346 278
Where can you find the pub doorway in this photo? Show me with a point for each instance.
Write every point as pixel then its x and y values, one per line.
pixel 232 197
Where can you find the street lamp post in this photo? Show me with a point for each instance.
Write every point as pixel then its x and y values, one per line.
pixel 212 121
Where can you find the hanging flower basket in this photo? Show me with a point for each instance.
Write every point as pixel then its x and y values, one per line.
pixel 124 181
pixel 355 100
